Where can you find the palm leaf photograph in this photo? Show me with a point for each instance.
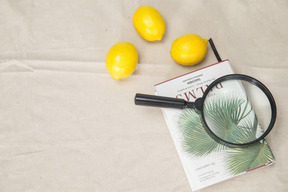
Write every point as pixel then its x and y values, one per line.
pixel 228 118
pixel 231 119
pixel 196 141
pixel 242 159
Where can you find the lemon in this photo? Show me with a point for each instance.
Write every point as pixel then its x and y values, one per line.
pixel 189 49
pixel 121 60
pixel 149 23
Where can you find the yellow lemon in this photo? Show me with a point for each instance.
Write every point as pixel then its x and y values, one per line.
pixel 149 23
pixel 121 60
pixel 189 49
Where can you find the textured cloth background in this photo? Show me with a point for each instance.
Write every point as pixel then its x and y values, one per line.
pixel 66 125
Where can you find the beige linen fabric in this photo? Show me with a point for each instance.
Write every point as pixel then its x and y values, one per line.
pixel 66 125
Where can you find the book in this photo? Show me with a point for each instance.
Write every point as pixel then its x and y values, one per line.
pixel 205 161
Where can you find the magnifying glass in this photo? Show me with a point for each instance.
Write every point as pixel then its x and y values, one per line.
pixel 228 109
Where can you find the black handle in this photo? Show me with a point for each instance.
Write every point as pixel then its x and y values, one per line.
pixel 160 101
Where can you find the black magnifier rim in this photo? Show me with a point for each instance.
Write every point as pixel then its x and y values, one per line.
pixel 254 82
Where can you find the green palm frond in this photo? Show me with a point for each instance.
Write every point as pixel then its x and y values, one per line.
pixel 228 119
pixel 247 130
pixel 232 120
pixel 196 141
pixel 242 159
pixel 228 106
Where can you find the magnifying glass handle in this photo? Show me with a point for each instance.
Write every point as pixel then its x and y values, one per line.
pixel 160 101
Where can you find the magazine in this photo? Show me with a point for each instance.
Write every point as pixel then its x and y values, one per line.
pixel 205 161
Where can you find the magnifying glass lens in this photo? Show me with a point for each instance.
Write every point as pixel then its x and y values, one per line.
pixel 237 111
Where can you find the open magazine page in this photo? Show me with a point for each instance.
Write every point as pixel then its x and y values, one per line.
pixel 205 161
